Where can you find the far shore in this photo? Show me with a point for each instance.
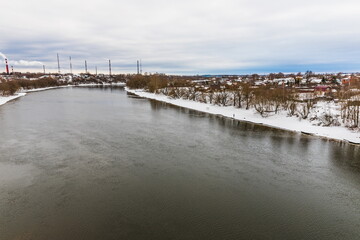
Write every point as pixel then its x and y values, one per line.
pixel 22 93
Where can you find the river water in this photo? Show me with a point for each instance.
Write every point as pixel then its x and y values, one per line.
pixel 98 163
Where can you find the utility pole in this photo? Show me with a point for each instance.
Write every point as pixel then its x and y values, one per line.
pixel 86 67
pixel 109 68
pixel 70 65
pixel 58 63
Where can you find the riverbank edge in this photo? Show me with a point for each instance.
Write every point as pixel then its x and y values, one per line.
pixel 4 100
pixel 279 122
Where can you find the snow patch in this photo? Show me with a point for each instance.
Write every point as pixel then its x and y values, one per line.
pixel 4 100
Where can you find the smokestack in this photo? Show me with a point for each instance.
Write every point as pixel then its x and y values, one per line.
pixel 137 63
pixel 86 67
pixel 7 66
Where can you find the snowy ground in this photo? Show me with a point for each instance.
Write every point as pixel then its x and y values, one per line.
pixel 4 100
pixel 280 121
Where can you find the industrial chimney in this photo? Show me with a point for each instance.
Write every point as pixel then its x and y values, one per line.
pixel 7 66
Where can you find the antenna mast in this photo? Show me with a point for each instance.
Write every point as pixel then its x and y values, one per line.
pixel 70 65
pixel 140 67
pixel 58 63
pixel 109 67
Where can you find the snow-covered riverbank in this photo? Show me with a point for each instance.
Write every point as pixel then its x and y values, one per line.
pixel 4 100
pixel 280 121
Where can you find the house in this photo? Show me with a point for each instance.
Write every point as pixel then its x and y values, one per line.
pixel 315 80
pixel 322 88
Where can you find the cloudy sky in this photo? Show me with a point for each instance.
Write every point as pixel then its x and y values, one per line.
pixel 183 36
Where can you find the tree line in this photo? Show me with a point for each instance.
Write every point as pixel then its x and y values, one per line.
pixel 8 88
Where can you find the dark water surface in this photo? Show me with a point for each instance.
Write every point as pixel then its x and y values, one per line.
pixel 97 163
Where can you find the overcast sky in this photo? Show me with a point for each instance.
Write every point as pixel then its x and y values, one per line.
pixel 183 36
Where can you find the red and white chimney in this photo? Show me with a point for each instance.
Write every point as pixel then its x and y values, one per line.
pixel 7 66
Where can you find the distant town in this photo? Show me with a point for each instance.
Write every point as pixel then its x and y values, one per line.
pixel 308 81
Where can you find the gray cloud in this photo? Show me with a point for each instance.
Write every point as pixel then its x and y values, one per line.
pixel 183 36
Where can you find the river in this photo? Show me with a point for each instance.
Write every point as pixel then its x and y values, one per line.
pixel 99 163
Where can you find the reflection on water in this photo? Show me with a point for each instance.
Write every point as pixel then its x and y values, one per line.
pixel 98 163
pixel 346 155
